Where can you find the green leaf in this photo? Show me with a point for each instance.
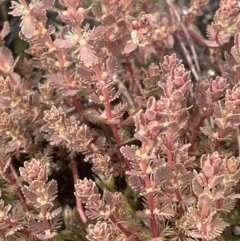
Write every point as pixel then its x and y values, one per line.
pixel 58 238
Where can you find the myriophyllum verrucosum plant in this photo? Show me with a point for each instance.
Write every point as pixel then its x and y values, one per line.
pixel 119 120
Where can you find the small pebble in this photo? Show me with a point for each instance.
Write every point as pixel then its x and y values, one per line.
pixel 236 230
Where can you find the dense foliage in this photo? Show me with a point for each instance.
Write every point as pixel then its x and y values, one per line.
pixel 119 120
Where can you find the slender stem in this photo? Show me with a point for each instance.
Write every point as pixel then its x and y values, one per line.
pixel 79 205
pixel 198 38
pixel 17 191
pixel 185 31
pixel 196 131
pixel 45 221
pixel 123 230
pixel 145 7
pixel 108 32
pixel 169 137
pixel 130 70
pixel 78 107
pixel 180 208
pixel 129 118
pixel 216 62
pixel 108 109
pixel 9 222
pixel 217 142
pixel 238 140
pixel 148 186
pixel 188 57
pixel 217 145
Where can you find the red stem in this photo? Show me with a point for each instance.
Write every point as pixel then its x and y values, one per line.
pixel 217 142
pixel 238 140
pixel 123 230
pixel 188 57
pixel 9 222
pixel 185 31
pixel 180 208
pixel 169 149
pixel 197 37
pixel 196 131
pixel 217 145
pixel 108 109
pixel 145 7
pixel 17 191
pixel 79 205
pixel 150 199
pixel 130 70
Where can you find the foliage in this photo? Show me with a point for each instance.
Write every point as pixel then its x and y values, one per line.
pixel 136 104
